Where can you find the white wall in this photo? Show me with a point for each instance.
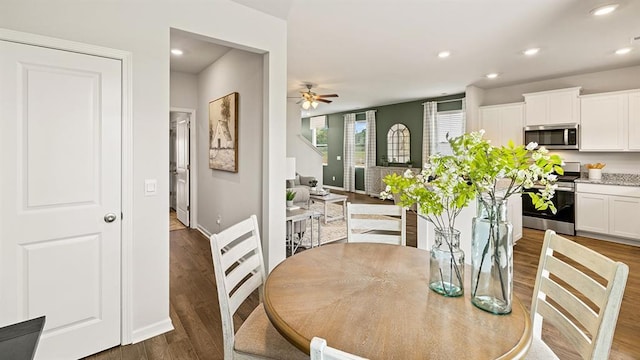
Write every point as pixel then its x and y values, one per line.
pixel 142 28
pixel 232 196
pixel 592 83
pixel 474 98
pixel 308 159
pixel 183 90
pixel 596 82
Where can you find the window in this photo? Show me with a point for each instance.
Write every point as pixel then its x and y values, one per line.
pixel 319 136
pixel 447 122
pixel 319 140
pixel 398 144
pixel 360 143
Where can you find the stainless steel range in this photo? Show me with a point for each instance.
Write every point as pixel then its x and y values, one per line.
pixel 563 221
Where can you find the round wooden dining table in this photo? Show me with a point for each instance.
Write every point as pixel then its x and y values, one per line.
pixel 373 300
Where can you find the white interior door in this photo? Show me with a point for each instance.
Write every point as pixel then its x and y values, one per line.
pixel 60 121
pixel 182 169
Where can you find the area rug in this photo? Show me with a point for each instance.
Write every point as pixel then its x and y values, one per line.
pixel 334 231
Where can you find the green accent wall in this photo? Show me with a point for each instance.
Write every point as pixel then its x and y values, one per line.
pixel 408 113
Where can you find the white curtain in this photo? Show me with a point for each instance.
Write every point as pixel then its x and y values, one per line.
pixel 428 129
pixel 370 153
pixel 349 182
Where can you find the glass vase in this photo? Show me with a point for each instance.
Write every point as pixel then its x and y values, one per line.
pixel 492 257
pixel 447 264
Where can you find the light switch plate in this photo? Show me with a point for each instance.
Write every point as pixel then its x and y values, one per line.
pixel 150 187
pixel 338 157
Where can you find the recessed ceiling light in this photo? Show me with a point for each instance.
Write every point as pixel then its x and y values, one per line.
pixel 623 51
pixel 177 52
pixel 604 10
pixel 531 52
pixel 492 76
pixel 444 54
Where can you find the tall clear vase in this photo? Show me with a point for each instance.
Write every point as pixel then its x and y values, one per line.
pixel 492 257
pixel 446 266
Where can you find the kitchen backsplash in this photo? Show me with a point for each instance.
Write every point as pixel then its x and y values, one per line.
pixel 616 163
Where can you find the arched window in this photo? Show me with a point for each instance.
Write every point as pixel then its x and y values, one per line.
pixel 398 144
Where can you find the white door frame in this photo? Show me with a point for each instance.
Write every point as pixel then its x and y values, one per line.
pixel 127 154
pixel 193 164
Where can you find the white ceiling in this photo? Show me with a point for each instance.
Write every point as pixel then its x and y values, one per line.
pixel 379 52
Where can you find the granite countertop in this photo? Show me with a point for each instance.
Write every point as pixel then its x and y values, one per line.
pixel 611 179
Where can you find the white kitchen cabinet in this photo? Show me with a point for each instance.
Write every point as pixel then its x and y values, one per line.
pixel 561 106
pixel 610 121
pixel 514 214
pixel 608 209
pixel 503 123
pixel 592 213
pixel 623 216
pixel 634 121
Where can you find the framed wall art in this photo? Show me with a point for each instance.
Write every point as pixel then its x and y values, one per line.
pixel 223 133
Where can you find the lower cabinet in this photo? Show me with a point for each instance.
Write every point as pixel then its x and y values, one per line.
pixel 592 212
pixel 514 214
pixel 608 209
pixel 623 216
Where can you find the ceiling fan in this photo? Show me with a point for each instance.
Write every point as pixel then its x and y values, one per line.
pixel 311 99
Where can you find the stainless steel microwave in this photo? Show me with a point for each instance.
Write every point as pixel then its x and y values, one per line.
pixel 564 136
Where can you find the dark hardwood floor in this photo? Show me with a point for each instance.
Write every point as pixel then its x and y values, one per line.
pixel 196 316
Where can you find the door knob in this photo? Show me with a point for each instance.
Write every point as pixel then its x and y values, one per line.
pixel 110 217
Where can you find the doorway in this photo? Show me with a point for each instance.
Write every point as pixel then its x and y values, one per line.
pixel 180 170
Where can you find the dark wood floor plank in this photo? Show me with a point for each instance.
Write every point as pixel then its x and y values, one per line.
pixel 157 348
pixel 134 352
pixel 182 350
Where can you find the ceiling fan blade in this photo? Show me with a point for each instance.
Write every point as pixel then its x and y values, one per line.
pixel 328 95
pixel 324 101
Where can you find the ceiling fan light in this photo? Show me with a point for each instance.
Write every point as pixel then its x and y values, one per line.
pixel 306 104
pixel 314 104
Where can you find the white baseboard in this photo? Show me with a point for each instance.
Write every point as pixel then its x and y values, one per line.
pixel 333 187
pixel 152 330
pixel 605 237
pixel 203 231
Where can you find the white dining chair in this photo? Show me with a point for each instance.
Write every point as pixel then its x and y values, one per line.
pixel 321 351
pixel 588 329
pixel 376 223
pixel 239 269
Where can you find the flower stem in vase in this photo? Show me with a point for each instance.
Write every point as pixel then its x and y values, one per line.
pixel 492 260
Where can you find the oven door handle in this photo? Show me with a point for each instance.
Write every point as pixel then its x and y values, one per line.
pixel 559 188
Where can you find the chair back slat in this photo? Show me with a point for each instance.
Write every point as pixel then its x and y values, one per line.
pixel 242 249
pixel 375 224
pixel 237 245
pixel 376 238
pixel 363 219
pixel 590 331
pixel 234 232
pixel 566 327
pixel 578 280
pixel 571 304
pixel 241 294
pixel 248 266
pixel 595 262
pixel 376 209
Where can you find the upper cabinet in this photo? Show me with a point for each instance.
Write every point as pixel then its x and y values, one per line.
pixel 553 107
pixel 502 123
pixel 610 121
